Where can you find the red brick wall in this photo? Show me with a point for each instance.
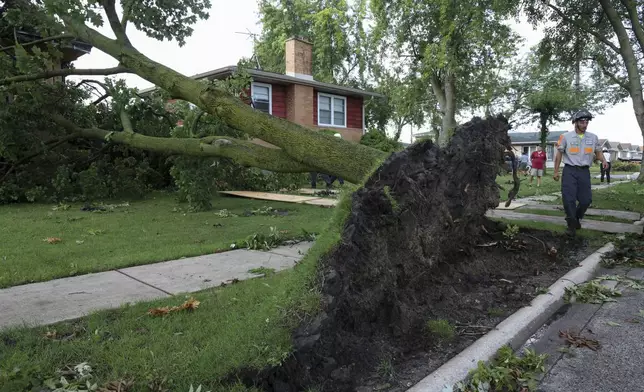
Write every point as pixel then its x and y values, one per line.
pixel 354 112
pixel 278 97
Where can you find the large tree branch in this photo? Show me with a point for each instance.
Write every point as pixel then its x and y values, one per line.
pixel 612 76
pixel 40 41
pixel 631 8
pixel 242 152
pixel 584 28
pixel 118 29
pixel 125 120
pixel 64 72
pixel 295 140
pixel 626 50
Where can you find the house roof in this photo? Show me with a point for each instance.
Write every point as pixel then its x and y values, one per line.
pixel 533 137
pixel 72 49
pixel 277 78
pixel 625 146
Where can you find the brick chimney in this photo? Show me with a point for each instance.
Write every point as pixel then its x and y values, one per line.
pixel 299 58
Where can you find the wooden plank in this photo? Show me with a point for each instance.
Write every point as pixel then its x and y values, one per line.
pixel 270 196
pixel 310 191
pixel 322 202
pixel 513 205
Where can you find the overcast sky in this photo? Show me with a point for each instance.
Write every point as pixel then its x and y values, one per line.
pixel 215 43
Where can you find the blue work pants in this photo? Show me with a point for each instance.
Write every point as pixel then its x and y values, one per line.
pixel 575 186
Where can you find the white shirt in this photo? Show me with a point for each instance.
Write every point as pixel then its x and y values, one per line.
pixel 607 156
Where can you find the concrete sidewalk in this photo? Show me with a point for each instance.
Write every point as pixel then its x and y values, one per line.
pixel 618 327
pixel 605 226
pixel 68 298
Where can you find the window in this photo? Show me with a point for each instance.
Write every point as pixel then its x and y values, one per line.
pixel 332 110
pixel 261 97
pixel 550 151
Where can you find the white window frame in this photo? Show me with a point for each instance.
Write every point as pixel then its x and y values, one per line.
pixel 346 109
pixel 270 94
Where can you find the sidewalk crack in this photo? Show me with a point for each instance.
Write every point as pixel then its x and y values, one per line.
pixel 147 284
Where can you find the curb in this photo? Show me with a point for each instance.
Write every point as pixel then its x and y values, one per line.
pixel 513 331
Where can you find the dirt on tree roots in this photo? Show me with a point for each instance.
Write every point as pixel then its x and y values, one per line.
pixel 417 260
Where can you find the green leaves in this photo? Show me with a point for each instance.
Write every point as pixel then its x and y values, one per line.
pixel 168 19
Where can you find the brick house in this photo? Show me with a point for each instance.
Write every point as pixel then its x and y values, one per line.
pixel 297 97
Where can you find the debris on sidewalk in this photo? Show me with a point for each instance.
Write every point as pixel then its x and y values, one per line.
pixel 576 340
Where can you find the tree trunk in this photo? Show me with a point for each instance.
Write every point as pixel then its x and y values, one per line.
pixel 543 136
pixel 318 151
pixel 445 92
pixel 630 61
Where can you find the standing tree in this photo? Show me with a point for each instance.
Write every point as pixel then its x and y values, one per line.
pixel 455 46
pixel 612 35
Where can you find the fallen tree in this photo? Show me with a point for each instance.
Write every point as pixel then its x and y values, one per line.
pixel 418 209
pixel 423 207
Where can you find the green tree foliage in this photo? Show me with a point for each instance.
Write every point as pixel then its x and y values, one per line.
pixel 547 93
pixel 605 36
pixel 333 27
pixel 457 47
pixel 380 141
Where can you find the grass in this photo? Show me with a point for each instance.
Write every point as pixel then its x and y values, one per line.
pixel 626 197
pixel 548 185
pixel 587 216
pixel 245 325
pixel 152 230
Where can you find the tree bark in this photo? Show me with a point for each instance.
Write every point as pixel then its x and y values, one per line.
pixel 630 61
pixel 328 154
pixel 543 120
pixel 242 152
pixel 445 93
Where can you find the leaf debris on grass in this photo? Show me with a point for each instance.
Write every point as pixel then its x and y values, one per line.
pixel 575 339
pixel 189 305
pixel 53 240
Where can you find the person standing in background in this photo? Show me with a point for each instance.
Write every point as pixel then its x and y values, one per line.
pixel 538 159
pixel 607 170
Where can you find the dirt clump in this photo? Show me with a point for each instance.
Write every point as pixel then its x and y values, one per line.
pixel 417 247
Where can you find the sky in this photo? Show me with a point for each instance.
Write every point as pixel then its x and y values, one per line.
pixel 216 43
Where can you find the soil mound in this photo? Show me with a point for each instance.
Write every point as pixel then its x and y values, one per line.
pixel 424 206
pixel 415 223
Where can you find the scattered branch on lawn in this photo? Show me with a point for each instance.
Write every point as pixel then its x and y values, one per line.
pixel 243 152
pixel 40 41
pixel 64 72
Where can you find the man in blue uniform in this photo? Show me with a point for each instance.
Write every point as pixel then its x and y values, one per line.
pixel 578 150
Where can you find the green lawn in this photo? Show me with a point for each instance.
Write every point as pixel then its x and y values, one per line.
pixel 152 230
pixel 247 325
pixel 626 197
